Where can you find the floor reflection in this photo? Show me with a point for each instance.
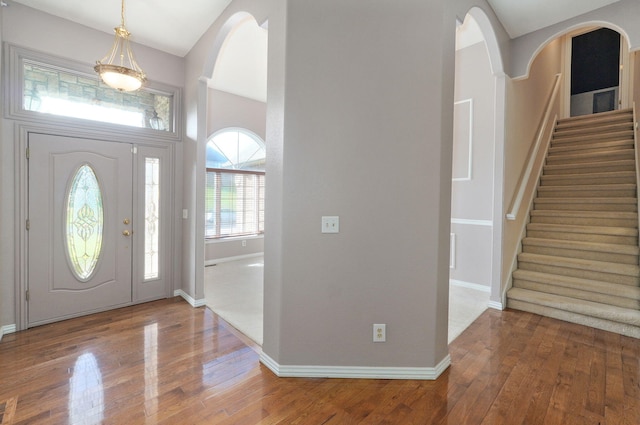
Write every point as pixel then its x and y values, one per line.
pixel 86 398
pixel 151 370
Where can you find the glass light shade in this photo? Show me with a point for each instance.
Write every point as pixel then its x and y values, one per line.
pixel 119 77
pixel 119 69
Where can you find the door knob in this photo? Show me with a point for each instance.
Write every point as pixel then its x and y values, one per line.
pixel 127 232
pixel 126 221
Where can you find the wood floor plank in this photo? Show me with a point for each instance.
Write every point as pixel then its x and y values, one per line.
pixel 168 363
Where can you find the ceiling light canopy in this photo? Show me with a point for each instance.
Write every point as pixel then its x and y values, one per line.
pixel 119 69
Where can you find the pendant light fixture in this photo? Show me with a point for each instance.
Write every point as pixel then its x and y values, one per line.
pixel 119 69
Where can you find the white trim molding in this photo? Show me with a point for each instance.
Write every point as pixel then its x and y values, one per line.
pixel 235 258
pixel 468 177
pixel 7 329
pixel 487 223
pixel 452 254
pixel 356 372
pixel 475 286
pixel 496 305
pixel 188 298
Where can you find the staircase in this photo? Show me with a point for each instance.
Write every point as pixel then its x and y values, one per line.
pixel 579 259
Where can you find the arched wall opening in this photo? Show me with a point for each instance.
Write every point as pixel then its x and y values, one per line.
pixel 231 94
pixel 627 61
pixel 479 122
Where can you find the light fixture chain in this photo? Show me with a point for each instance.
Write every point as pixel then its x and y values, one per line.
pixel 122 14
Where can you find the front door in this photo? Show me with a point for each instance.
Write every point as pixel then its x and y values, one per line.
pixel 80 227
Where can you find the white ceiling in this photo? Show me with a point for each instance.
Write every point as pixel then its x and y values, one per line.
pixel 172 26
pixel 521 17
pixel 175 26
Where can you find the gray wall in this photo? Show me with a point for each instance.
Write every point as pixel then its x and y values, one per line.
pixel 341 105
pixel 472 199
pixel 229 110
pixel 353 102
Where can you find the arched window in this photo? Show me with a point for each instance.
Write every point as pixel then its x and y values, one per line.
pixel 234 200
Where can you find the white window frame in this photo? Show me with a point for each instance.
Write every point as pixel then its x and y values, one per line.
pixel 15 57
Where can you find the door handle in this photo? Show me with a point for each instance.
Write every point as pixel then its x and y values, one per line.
pixel 127 232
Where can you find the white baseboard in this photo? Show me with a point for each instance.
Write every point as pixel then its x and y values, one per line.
pixel 495 305
pixel 236 258
pixel 188 298
pixel 470 285
pixel 356 372
pixel 7 329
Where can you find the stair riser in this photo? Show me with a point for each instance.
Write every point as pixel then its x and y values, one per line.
pixel 550 192
pixel 585 255
pixel 583 274
pixel 621 122
pixel 607 325
pixel 558 140
pixel 583 237
pixel 588 169
pixel 633 223
pixel 587 206
pixel 591 150
pixel 577 131
pixel 583 181
pixel 581 159
pixel 577 293
pixel 602 118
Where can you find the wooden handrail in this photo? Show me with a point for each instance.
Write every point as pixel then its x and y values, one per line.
pixel 528 170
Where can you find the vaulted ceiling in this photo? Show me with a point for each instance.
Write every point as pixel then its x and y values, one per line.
pixel 175 26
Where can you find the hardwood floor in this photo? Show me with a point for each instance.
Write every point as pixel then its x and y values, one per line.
pixel 167 363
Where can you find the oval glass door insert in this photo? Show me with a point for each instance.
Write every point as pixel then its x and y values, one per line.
pixel 84 223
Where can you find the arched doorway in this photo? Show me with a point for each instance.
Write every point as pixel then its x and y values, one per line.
pixel 476 235
pixel 233 100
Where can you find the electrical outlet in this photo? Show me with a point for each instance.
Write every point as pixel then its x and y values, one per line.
pixel 379 332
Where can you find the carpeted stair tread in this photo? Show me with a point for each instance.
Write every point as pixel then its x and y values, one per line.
pixel 578 263
pixel 587 204
pixel 600 118
pixel 588 214
pixel 611 126
pixel 586 218
pixel 612 135
pixel 584 246
pixel 627 190
pixel 605 293
pixel 590 285
pixel 611 177
pixel 586 250
pixel 596 146
pixel 587 308
pixel 601 230
pixel 588 157
pixel 590 167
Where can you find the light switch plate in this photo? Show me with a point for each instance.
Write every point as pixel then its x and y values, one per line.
pixel 330 224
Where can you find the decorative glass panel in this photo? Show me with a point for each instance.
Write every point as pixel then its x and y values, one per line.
pixel 84 223
pixel 151 218
pixel 52 90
